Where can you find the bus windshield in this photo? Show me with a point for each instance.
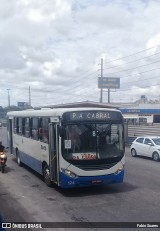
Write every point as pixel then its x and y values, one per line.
pixel 88 141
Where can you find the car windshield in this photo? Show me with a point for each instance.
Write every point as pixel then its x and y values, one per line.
pixel 156 141
pixel 92 141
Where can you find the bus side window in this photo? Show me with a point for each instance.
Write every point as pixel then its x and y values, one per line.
pixel 34 128
pixel 27 127
pixel 15 126
pixel 44 130
pixel 20 126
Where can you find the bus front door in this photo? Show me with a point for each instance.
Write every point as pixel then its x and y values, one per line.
pixel 53 153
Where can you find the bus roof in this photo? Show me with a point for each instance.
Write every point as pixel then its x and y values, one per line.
pixel 54 112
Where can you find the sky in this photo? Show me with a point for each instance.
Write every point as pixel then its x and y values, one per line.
pixel 55 47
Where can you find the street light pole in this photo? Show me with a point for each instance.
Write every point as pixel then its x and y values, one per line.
pixel 29 96
pixel 8 98
pixel 101 96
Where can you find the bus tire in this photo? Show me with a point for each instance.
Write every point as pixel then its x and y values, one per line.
pixel 18 159
pixel 46 176
pixel 155 156
pixel 133 152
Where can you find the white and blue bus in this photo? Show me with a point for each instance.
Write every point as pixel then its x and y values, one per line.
pixel 71 147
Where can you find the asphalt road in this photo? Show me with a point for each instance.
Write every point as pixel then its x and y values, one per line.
pixel 24 197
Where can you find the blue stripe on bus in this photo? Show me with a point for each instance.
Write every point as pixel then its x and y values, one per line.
pixel 31 162
pixel 69 182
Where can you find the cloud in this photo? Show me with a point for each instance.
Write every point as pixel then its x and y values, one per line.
pixel 56 46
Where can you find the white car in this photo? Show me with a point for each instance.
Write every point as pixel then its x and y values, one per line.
pixel 146 146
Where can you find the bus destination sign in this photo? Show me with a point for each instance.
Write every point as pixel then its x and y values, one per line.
pixel 92 115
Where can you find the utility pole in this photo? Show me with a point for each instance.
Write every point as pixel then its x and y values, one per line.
pixel 108 95
pixel 8 98
pixel 101 97
pixel 29 96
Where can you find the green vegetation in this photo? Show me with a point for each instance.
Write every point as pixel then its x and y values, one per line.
pixel 3 111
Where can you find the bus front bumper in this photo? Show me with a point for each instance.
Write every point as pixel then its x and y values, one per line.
pixel 70 182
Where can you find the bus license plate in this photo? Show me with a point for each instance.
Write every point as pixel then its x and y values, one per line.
pixel 97 181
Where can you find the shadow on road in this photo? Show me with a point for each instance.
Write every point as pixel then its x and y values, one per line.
pixel 8 169
pixel 84 191
pixel 29 169
pixel 97 190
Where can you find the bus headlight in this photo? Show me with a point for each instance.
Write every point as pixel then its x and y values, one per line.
pixel 69 173
pixel 118 171
pixel 3 156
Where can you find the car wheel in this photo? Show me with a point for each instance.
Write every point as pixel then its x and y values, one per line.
pixel 46 176
pixel 133 152
pixel 155 156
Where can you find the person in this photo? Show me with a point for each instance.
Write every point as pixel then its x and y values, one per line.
pixel 2 148
pixel 75 139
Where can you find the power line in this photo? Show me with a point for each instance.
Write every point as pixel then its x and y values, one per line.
pixel 138 87
pixel 141 72
pixel 67 92
pixel 42 89
pixel 132 54
pixel 80 80
pixel 133 68
pixel 131 61
pixel 155 77
pixel 76 95
pixel 131 75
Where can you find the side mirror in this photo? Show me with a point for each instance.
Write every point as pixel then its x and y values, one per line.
pixel 150 144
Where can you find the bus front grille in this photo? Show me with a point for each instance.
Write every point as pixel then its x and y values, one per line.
pixel 96 167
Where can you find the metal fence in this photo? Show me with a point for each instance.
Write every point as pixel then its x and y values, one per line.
pixel 133 131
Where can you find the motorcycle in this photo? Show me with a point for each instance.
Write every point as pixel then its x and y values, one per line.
pixel 3 160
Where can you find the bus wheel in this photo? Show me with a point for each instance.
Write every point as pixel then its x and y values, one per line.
pixel 18 159
pixel 155 156
pixel 133 152
pixel 46 176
